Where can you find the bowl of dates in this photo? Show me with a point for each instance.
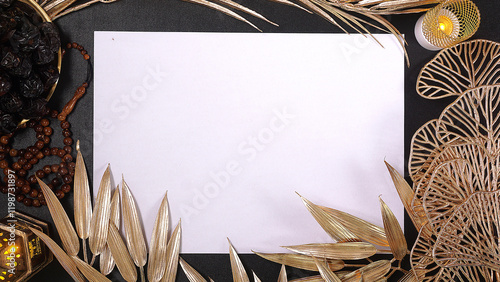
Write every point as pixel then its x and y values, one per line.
pixel 30 61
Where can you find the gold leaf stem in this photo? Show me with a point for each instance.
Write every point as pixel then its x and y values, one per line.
pixel 63 258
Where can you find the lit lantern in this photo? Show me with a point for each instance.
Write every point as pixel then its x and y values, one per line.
pixel 22 253
pixel 447 24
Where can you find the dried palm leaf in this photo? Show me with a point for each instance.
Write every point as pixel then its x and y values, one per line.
pixel 336 230
pixel 158 245
pixel 82 204
pixel 289 3
pixel 301 261
pixel 191 274
pixel 223 10
pixel 79 7
pixel 100 218
pixel 371 272
pixel 244 9
pixel 406 195
pixel 121 255
pixel 459 68
pixel 173 247
pixel 133 229
pixel 347 251
pixel 325 272
pixel 239 273
pixel 89 272
pixel 395 235
pixel 255 278
pixel 282 277
pixel 56 6
pixel 106 262
pixel 63 225
pixel 67 263
pixel 315 9
pixel 363 229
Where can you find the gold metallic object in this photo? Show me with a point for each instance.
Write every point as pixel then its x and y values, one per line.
pixel 22 253
pixel 447 24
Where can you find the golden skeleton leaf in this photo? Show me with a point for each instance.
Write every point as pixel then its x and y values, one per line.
pixel 473 117
pixel 459 68
pixel 470 236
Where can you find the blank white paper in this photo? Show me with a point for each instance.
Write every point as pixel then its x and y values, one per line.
pixel 232 125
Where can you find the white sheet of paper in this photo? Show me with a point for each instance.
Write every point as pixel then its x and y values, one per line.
pixel 233 124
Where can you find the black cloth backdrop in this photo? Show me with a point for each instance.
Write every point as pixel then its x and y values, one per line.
pixel 176 16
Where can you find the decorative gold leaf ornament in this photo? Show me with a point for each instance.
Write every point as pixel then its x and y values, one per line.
pixel 66 262
pixel 459 68
pixel 455 166
pixel 134 236
pixel 82 203
pixel 100 217
pixel 191 273
pixel 239 272
pixel 159 239
pixel 63 225
pixel 106 261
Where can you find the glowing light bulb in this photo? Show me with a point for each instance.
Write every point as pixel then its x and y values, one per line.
pixel 445 25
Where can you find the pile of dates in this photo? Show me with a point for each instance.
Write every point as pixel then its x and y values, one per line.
pixel 28 63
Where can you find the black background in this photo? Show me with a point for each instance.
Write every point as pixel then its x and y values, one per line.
pixel 175 16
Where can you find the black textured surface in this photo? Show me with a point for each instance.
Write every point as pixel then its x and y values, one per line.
pixel 176 15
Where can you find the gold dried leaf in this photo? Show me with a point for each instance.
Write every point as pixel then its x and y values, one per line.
pixel 239 273
pixel 82 203
pixel 67 263
pixel 282 277
pixel 371 272
pixel 363 229
pixel 406 195
pixel 173 247
pixel 100 217
pixel 106 261
pixel 315 278
pixel 331 225
pixel 158 244
pixel 255 278
pixel 89 272
pixel 191 274
pixel 395 236
pixel 325 272
pixel 63 225
pixel 347 251
pixel 223 10
pixel 121 255
pixel 301 261
pixel 133 229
